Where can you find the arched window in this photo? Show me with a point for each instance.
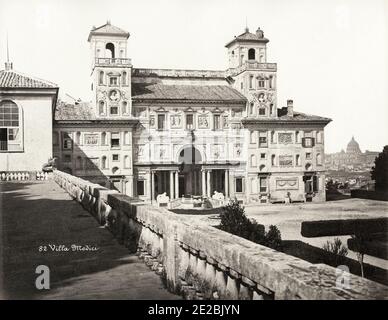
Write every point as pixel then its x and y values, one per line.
pixel 297 136
pixel 272 136
pixel 261 58
pixel 273 160
pixel 124 107
pixel 127 165
pixel 101 78
pixel 251 54
pixel 297 160
pixel 319 159
pixel 124 81
pixel 250 82
pixel 110 50
pixel 10 126
pixel 78 138
pixel 101 108
pixel 251 106
pixel 104 164
pixel 103 138
pixel 262 168
pixel 253 161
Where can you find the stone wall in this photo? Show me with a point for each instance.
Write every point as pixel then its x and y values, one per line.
pixel 202 261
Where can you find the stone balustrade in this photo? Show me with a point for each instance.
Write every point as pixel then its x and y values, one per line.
pixel 201 261
pixel 23 175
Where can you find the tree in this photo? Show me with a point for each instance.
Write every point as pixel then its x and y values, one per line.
pixel 379 172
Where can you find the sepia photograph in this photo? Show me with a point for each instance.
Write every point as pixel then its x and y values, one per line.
pixel 177 150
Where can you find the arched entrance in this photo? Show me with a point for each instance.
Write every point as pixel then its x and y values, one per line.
pixel 190 178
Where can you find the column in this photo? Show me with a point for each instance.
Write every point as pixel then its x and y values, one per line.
pixel 152 186
pixel 226 183
pixel 208 172
pixel 203 183
pixel 171 185
pixel 176 184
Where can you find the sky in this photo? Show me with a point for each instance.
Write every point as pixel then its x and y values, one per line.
pixel 332 55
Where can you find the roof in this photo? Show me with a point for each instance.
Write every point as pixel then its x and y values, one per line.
pixel 15 79
pixel 250 37
pixel 188 93
pixel 297 117
pixel 108 29
pixel 79 111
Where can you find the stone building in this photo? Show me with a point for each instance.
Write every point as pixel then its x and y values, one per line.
pixel 190 133
pixel 26 120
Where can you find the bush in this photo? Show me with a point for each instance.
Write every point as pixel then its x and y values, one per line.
pixel 234 221
pixel 337 248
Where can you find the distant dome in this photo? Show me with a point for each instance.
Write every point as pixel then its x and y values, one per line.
pixel 353 147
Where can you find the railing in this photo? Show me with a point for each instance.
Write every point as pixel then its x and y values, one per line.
pixel 23 175
pixel 252 66
pixel 179 73
pixel 201 261
pixel 113 61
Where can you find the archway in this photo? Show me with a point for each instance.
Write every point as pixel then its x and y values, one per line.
pixel 190 178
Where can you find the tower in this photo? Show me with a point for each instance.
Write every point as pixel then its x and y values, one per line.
pixel 252 75
pixel 111 72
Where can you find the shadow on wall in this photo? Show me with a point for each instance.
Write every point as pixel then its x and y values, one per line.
pixel 104 170
pixel 30 223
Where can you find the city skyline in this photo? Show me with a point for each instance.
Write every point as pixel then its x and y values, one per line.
pixel 316 63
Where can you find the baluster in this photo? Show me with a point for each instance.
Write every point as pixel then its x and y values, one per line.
pixel 221 279
pixel 232 285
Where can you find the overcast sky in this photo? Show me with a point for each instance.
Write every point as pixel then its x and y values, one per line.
pixel 331 54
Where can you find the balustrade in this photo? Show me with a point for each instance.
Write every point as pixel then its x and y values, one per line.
pixel 205 262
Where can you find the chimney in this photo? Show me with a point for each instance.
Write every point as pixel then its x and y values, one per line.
pixel 8 66
pixel 290 108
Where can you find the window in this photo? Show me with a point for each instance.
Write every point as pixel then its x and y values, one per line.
pixel 140 187
pixel 251 54
pixel 103 138
pixel 308 142
pixel 101 108
pixel 250 82
pixel 251 105
pixel 67 158
pixel 189 121
pixel 271 108
pixel 270 82
pixel 101 78
pixel 161 121
pixel 272 136
pixel 263 155
pixel 115 157
pixel 115 140
pixel 263 143
pixel 124 82
pixel 273 160
pixel 217 124
pixel 253 137
pixel 125 107
pixel 297 160
pixel 261 111
pixel 104 164
pixel 242 85
pixel 114 110
pixel 67 142
pixel 127 165
pixel 263 184
pixel 78 138
pixel 297 136
pixel 319 159
pixel 10 135
pixel 110 50
pixel 319 136
pixel 261 83
pixel 253 161
pixel 239 185
pixel 315 184
pixel 113 81
pixel 308 156
pixel 126 138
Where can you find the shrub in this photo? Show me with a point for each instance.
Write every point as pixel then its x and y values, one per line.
pixel 337 248
pixel 234 221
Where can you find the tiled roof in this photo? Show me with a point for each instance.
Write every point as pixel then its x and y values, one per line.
pixel 302 116
pixel 80 111
pixel 248 36
pixel 15 79
pixel 108 29
pixel 211 93
pixel 283 117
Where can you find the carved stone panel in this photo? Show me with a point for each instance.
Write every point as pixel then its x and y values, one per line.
pixel 203 122
pixel 285 138
pixel 287 184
